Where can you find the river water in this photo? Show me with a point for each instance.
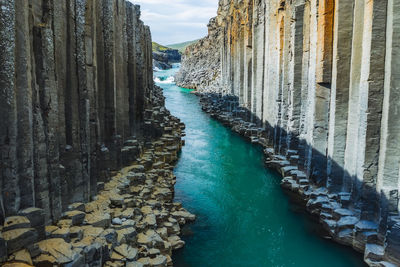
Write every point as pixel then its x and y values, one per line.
pixel 243 216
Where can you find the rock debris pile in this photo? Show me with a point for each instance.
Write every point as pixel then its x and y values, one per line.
pixel 133 221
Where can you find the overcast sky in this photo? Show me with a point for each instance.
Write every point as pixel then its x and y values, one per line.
pixel 176 21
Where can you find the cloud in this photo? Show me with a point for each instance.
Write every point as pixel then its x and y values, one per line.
pixel 175 21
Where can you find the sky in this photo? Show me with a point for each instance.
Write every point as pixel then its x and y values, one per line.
pixel 177 21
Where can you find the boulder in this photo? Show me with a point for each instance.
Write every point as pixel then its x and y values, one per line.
pixel 150 239
pixel 159 261
pixel 126 235
pixel 23 256
pixel 98 219
pixel 77 217
pixel 18 239
pixel 176 242
pixel 127 252
pixel 16 222
pixel 57 251
pixel 36 217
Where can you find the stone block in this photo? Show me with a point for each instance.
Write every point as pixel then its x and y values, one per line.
pixel 18 239
pixel 16 222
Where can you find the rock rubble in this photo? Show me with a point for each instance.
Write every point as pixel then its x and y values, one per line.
pixel 342 222
pixel 133 221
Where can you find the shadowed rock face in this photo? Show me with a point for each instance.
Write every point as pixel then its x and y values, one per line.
pixel 75 81
pixel 321 78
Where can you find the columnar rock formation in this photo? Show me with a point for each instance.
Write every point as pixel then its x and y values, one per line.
pixel 75 80
pixel 322 79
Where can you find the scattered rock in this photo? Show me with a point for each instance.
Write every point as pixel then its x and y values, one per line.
pixel 18 239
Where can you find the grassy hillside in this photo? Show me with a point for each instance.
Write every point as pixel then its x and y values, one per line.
pixel 182 46
pixel 159 48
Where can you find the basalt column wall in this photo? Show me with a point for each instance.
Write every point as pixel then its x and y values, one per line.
pixel 321 79
pixel 75 80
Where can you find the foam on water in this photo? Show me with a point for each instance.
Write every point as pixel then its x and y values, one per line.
pixel 166 80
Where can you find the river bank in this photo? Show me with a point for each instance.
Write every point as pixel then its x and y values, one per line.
pixel 341 223
pixel 132 221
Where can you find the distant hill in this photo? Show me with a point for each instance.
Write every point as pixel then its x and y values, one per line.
pixel 159 48
pixel 164 56
pixel 182 46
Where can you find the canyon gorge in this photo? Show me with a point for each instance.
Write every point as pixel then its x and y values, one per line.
pixel 299 95
pixel 77 104
pixel 316 83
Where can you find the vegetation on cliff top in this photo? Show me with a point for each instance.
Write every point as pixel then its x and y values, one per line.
pixel 182 46
pixel 159 48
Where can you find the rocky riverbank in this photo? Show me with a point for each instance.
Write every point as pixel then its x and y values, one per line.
pixel 133 221
pixel 341 221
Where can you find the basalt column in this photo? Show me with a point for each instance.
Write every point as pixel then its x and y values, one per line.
pixel 75 82
pixel 323 102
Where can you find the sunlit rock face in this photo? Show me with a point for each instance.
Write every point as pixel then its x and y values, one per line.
pixel 75 80
pixel 322 79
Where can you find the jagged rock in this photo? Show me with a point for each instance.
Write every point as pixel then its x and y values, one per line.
pixel 150 220
pixel 36 218
pixel 117 200
pixel 134 264
pixel 374 252
pixel 150 239
pixel 16 222
pixel 126 235
pixel 77 207
pixel 98 219
pixel 60 252
pixel 76 217
pixel 76 232
pixel 110 236
pixel 23 256
pixel 64 223
pixel 339 213
pixel 159 261
pixel 50 229
pixel 144 261
pixel 127 252
pixel 90 230
pixel 183 214
pixel 117 221
pixel 347 222
pixel 18 239
pixel 176 242
pixel 63 233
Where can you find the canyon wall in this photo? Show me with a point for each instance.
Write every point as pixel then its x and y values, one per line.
pixel 75 83
pixel 321 79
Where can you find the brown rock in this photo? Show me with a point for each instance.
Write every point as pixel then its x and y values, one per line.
pixel 76 217
pixel 127 252
pixel 23 256
pixel 59 250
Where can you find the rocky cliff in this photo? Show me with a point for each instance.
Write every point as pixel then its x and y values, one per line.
pixel 78 103
pixel 75 81
pixel 317 84
pixel 163 56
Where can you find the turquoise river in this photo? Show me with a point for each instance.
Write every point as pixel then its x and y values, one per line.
pixel 243 217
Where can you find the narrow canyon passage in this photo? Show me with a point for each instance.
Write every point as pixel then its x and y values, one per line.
pixel 243 216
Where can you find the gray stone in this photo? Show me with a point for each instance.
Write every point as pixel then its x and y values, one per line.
pixel 16 222
pixel 18 239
